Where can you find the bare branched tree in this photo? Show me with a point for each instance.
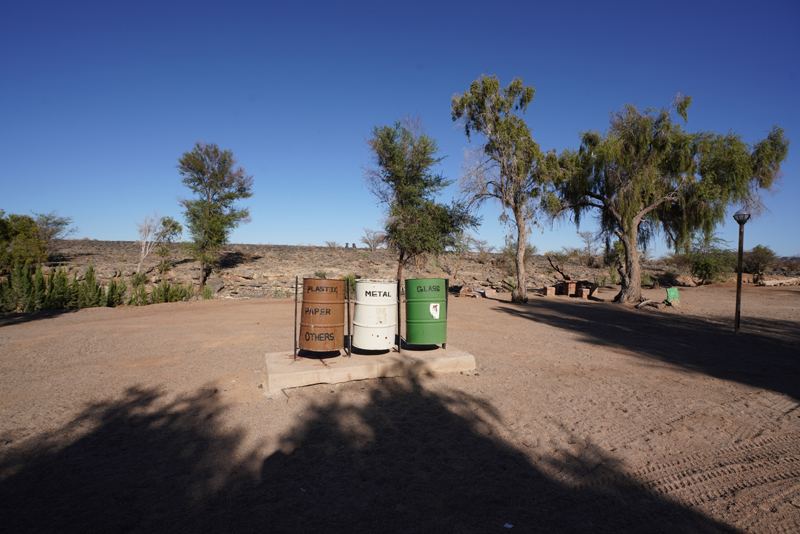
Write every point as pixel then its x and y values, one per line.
pixel 52 227
pixel 373 238
pixel 153 232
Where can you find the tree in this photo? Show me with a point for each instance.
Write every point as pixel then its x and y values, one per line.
pixel 509 167
pixel 589 239
pixel 759 259
pixel 218 184
pixel 19 241
pixel 154 233
pixel 52 227
pixel 373 238
pixel 647 175
pixel 462 243
pixel 402 178
pixel 171 231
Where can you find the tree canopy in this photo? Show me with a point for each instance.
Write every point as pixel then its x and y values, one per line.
pixel 20 241
pixel 509 167
pixel 403 179
pixel 647 175
pixel 217 183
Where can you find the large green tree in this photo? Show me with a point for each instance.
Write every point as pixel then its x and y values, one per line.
pixel 217 183
pixel 402 177
pixel 20 241
pixel 509 167
pixel 647 175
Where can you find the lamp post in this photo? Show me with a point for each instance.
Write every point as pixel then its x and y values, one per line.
pixel 741 217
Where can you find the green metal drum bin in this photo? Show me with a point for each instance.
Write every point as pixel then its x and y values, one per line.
pixel 426 311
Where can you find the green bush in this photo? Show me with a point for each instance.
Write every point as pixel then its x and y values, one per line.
pixel 613 275
pixel 206 293
pixel 759 259
pixel 165 292
pixel 138 279
pixel 29 291
pixel 319 273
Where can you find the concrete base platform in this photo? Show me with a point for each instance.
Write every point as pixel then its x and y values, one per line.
pixel 283 372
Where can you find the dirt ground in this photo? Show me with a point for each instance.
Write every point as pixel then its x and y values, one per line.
pixel 581 417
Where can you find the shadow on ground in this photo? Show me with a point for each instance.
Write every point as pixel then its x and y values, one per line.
pixel 765 354
pixel 8 319
pixel 409 460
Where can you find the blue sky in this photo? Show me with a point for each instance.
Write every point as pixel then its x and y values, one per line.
pixel 98 100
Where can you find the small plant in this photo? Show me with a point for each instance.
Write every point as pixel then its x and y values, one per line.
pixel 279 293
pixel 165 292
pixel 647 281
pixel 206 293
pixel 138 279
pixel 351 281
pixel 138 296
pixel 363 255
pixel 600 281
pixel 613 276
pixel 332 244
pixel 319 273
pixel 510 284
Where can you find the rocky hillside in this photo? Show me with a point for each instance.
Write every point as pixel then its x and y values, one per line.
pixel 269 270
pixel 248 271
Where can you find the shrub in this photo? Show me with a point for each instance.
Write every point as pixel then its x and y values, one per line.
pixel 759 259
pixel 138 279
pixel 613 275
pixel 280 293
pixel 206 293
pixel 165 292
pixel 509 252
pixel 510 284
pixel 138 296
pixel 30 291
pixel 647 281
pixel 319 273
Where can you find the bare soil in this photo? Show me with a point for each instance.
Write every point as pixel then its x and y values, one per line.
pixel 582 416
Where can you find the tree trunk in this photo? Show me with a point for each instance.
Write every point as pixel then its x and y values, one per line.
pixel 202 275
pixel 400 260
pixel 520 293
pixel 631 271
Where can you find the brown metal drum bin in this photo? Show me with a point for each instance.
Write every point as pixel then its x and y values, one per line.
pixel 322 320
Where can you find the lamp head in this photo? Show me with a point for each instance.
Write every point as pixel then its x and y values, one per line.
pixel 741 216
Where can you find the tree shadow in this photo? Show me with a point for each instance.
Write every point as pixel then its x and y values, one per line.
pixel 229 260
pixel 764 355
pixel 408 460
pixel 9 319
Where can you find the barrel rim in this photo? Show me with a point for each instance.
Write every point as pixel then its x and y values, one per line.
pixel 375 281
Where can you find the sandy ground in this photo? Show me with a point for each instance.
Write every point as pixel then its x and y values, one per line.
pixel 581 417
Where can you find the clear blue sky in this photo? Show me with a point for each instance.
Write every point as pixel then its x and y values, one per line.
pixel 98 100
